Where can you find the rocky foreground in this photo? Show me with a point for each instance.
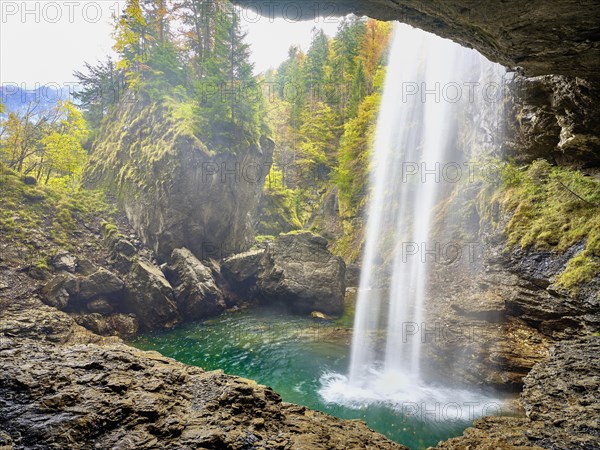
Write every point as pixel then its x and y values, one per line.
pixel 64 387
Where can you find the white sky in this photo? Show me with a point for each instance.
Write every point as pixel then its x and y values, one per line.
pixel 44 41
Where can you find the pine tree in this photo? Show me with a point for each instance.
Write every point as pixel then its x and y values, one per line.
pixel 358 90
pixel 315 67
pixel 102 86
pixel 228 92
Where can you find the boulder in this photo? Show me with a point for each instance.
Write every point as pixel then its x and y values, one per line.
pixel 122 325
pixel 100 283
pixel 149 296
pixel 64 261
pixel 124 247
pixel 241 272
pixel 60 291
pixel 298 270
pixel 195 290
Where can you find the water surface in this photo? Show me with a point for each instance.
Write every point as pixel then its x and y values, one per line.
pixel 301 359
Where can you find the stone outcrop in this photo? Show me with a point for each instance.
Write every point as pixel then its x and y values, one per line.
pixel 553 117
pixel 195 290
pixel 299 271
pixel 175 191
pixel 561 401
pixel 150 297
pixel 241 272
pixel 295 270
pixel 544 37
pixel 64 387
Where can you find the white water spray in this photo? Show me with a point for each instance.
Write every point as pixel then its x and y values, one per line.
pixel 435 92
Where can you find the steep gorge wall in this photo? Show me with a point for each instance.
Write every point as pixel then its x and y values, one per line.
pixel 175 191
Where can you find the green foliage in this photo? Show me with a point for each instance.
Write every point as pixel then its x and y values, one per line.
pixel 323 116
pixel 46 211
pixel 228 96
pixel 101 87
pixel 279 207
pixel 553 208
pixel 45 144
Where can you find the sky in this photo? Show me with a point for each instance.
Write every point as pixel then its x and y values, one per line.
pixel 42 41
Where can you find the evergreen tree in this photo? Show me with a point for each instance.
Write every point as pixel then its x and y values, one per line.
pixel 101 87
pixel 358 90
pixel 228 93
pixel 315 67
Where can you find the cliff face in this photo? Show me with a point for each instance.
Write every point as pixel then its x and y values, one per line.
pixel 175 191
pixel 553 117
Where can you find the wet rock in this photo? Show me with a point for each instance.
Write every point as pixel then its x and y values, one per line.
pixel 100 283
pixel 352 275
pixel 556 118
pixel 100 305
pixel 562 403
pixel 149 296
pixel 109 396
pixel 59 291
pixel 297 270
pixel 195 290
pixel 64 261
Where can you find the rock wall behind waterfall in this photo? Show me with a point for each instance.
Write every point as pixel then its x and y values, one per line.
pixel 175 191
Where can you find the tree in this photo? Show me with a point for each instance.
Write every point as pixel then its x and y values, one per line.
pixel 198 19
pixel 132 36
pixel 358 90
pixel 102 86
pixel 229 99
pixel 316 61
pixel 21 136
pixel 374 45
pixel 318 137
pixel 63 153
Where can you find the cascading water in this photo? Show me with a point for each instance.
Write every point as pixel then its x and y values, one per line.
pixel 436 93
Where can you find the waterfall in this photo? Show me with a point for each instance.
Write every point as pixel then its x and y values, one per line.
pixel 435 96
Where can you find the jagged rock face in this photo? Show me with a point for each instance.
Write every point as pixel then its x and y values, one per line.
pixel 544 37
pixel 296 271
pixel 195 289
pixel 553 117
pixel 299 271
pixel 150 297
pixel 57 393
pixel 175 191
pixel 561 398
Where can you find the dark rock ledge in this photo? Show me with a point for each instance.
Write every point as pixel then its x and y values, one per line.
pixel 62 386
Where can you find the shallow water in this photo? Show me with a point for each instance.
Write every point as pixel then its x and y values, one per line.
pixel 302 359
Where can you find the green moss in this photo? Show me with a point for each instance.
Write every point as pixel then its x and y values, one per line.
pixel 553 208
pixel 31 213
pixel 580 269
pixel 109 229
pixel 42 263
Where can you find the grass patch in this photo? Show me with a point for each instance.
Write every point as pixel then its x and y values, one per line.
pixel 553 209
